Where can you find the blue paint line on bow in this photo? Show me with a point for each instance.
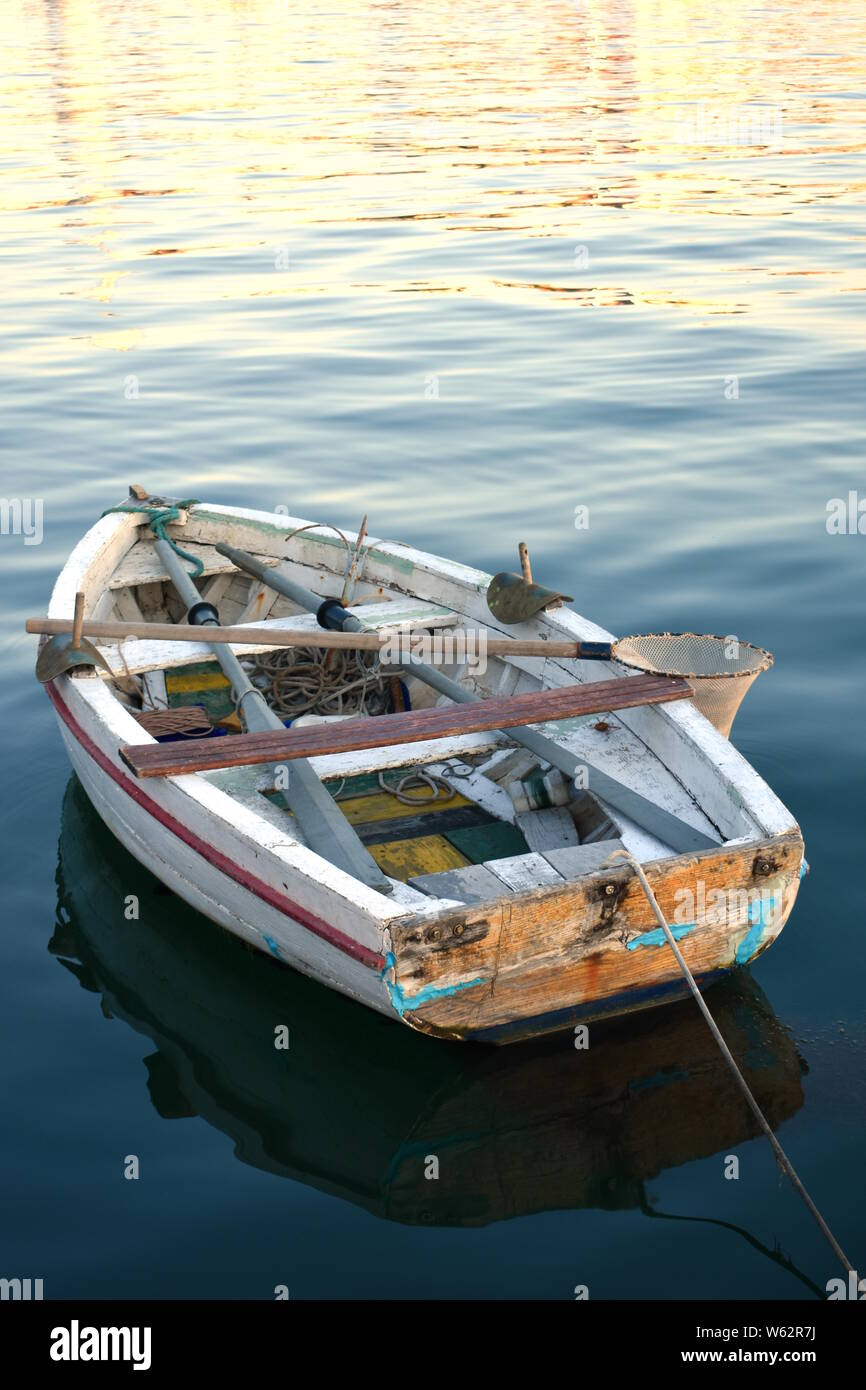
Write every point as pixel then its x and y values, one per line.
pixel 409 1002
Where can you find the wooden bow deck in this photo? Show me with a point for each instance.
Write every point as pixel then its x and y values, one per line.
pixel 276 746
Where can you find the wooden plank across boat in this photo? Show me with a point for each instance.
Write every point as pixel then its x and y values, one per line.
pixel 534 707
pixel 499 915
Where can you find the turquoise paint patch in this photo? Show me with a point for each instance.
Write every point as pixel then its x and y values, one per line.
pixel 804 869
pixel 403 1002
pixel 760 915
pixel 273 947
pixel 658 938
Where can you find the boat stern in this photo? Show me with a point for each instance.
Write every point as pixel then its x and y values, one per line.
pixel 558 957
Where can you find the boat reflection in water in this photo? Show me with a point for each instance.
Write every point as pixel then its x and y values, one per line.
pixel 356 1104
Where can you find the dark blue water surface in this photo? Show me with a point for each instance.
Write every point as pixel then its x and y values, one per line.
pixel 463 268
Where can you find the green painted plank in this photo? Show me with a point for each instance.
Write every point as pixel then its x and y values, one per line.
pixel 496 840
pixel 355 786
pixel 202 683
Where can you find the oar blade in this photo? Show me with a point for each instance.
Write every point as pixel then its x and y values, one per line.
pixel 60 654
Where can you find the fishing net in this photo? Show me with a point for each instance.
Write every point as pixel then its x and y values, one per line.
pixel 719 669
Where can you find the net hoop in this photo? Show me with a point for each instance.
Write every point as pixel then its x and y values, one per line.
pixel 719 669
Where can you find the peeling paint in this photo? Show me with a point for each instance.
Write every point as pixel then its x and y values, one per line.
pixel 761 915
pixel 390 561
pixel 403 1002
pixel 658 938
pixel 557 728
pixel 254 523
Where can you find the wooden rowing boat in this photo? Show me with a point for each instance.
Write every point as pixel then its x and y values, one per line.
pixel 500 913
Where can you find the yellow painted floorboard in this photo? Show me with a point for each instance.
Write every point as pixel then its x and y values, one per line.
pixel 428 854
pixel 363 810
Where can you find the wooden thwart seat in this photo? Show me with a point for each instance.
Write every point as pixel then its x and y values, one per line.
pixel 416 726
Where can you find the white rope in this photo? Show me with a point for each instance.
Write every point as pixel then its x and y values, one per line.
pixel 419 776
pixel 781 1157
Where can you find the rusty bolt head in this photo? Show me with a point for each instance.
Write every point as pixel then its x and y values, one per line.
pixel 609 889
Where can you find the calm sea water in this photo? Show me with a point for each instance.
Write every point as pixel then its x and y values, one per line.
pixel 467 269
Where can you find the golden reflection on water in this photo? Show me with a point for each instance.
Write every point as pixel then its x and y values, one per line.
pixel 231 130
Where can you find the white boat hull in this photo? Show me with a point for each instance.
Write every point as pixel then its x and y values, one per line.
pixel 353 969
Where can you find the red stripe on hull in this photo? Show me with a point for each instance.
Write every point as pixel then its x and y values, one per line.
pixel 261 890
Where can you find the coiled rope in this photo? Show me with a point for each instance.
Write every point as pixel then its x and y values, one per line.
pixel 317 680
pixel 311 680
pixel 190 721
pixel 781 1157
pixel 438 788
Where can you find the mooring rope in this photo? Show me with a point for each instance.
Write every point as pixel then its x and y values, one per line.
pixel 160 514
pixel 776 1255
pixel 781 1157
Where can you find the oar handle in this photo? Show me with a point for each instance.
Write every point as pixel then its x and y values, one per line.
pixel 78 620
pixel 594 651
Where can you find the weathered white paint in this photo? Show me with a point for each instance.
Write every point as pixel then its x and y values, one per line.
pixel 522 872
pixel 142 564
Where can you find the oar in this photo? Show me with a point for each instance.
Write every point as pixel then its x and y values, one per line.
pixel 325 827
pixel 662 824
pixel 476 640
